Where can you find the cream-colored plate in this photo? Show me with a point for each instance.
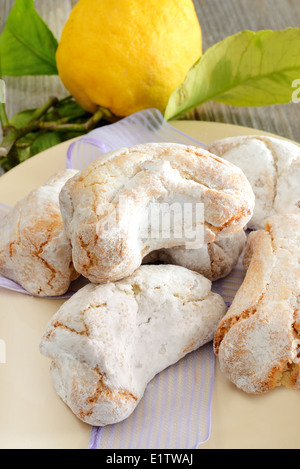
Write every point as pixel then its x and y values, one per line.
pixel 33 416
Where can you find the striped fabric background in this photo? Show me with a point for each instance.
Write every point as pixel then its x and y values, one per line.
pixel 175 412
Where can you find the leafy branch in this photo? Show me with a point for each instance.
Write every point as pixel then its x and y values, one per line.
pixel 32 131
pixel 36 123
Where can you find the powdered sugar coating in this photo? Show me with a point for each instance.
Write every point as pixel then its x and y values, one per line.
pixel 143 174
pixel 272 166
pixel 258 340
pixel 214 261
pixel 108 341
pixel 34 249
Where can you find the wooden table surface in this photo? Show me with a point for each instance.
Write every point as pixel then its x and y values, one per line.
pixel 218 19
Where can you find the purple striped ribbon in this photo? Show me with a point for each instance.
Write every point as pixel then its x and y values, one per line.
pixel 184 424
pixel 143 127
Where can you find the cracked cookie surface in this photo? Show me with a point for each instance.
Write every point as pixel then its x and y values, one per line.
pixel 258 340
pixel 214 260
pixel 34 249
pixel 159 173
pixel 272 167
pixel 108 341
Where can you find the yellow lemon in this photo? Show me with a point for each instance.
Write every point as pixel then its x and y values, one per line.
pixel 128 55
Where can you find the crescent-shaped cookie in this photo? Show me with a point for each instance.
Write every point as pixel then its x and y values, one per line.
pixel 108 207
pixel 108 341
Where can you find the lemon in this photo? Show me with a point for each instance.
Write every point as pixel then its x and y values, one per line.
pixel 128 55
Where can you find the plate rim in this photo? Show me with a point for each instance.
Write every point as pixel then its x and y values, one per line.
pixel 184 122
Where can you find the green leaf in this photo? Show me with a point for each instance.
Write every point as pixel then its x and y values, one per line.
pixel 44 141
pixel 28 146
pixel 246 69
pixel 22 118
pixel 63 109
pixel 27 46
pixel 66 109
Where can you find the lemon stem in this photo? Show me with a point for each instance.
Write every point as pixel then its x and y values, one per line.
pixel 3 117
pixel 90 124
